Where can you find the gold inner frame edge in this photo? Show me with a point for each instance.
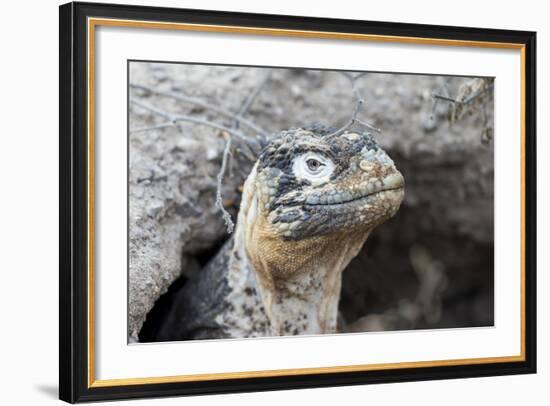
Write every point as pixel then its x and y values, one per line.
pixel 93 22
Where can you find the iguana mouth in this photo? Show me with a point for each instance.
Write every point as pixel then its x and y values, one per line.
pixel 356 199
pixel 362 191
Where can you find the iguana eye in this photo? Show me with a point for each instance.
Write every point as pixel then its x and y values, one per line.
pixel 313 167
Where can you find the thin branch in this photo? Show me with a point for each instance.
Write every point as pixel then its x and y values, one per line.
pixel 219 200
pixel 435 100
pixel 369 126
pixel 198 102
pixel 176 118
pixel 485 115
pixel 467 100
pixel 227 132
pixel 358 76
pixel 153 127
pixel 359 103
pixel 459 106
pixel 173 119
pixel 440 97
pixel 250 99
pixel 213 125
pixel 153 110
pixel 478 94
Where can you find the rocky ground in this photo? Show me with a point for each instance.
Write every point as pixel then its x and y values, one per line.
pixel 431 266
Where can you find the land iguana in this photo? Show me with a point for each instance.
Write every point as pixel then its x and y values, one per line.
pixel 308 205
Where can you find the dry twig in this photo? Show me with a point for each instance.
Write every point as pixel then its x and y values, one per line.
pixel 219 199
pixel 250 99
pixel 359 103
pixel 470 95
pixel 198 102
pixel 174 119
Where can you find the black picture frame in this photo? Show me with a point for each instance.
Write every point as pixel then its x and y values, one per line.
pixel 74 385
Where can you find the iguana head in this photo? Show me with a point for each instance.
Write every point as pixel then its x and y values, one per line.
pixel 308 206
pixel 310 183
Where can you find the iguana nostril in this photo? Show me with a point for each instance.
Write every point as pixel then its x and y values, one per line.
pixel 365 165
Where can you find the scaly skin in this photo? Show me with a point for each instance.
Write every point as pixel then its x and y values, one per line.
pixel 308 206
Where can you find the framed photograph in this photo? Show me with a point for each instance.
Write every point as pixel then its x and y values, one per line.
pixel 257 202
